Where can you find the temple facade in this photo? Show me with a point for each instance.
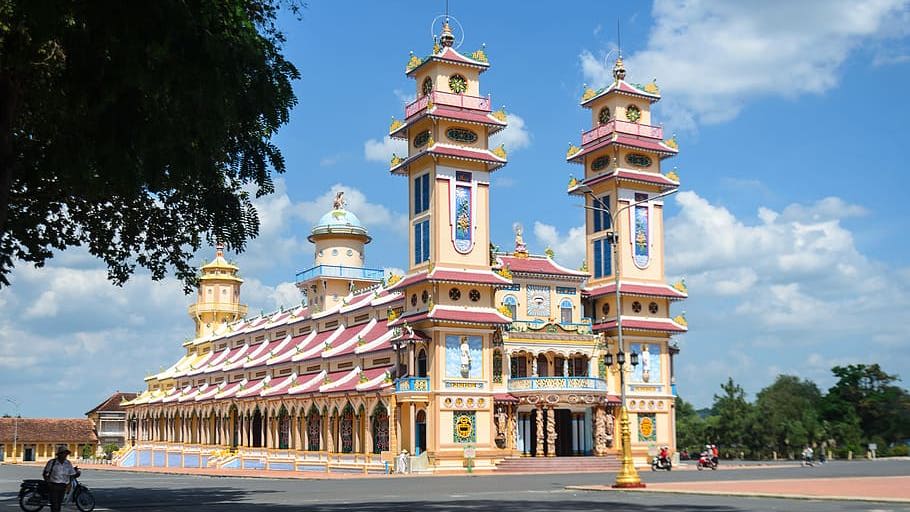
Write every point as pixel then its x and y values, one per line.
pixel 475 354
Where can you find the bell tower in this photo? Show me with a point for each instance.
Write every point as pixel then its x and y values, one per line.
pixel 218 298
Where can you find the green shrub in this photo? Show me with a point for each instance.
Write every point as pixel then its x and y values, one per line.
pixel 900 450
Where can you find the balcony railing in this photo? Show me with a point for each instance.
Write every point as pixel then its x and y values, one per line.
pixel 557 384
pixel 412 385
pixel 644 130
pixel 447 98
pixel 340 271
pixel 217 307
pixel 583 327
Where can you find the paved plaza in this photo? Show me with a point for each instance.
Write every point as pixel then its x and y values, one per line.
pixel 142 491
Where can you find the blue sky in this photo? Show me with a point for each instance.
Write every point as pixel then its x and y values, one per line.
pixel 789 227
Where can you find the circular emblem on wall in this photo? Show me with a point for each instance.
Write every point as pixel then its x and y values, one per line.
pixel 633 113
pixel 425 296
pixel 334 252
pixel 533 399
pixel 458 402
pixel 589 399
pixel 636 307
pixel 474 295
pixel 572 399
pixel 448 402
pixel 645 426
pixel 350 252
pixel 458 84
pixel 481 402
pixel 660 404
pixel 413 300
pixel 464 429
pixel 552 399
pixel 604 115
pixel 454 294
pixel 470 402
pixel 605 308
pixel 652 307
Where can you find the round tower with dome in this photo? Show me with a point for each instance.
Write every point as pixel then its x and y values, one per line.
pixel 338 263
pixel 218 299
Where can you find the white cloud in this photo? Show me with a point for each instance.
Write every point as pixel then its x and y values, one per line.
pixel 405 97
pixel 373 215
pixel 514 136
pixel 568 249
pixel 381 151
pixel 711 57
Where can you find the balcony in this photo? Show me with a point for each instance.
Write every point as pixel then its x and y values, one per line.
pixel 341 272
pixel 447 98
pixel 625 127
pixel 557 384
pixel 412 385
pixel 239 310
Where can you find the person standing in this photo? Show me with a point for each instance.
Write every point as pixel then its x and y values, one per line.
pixel 57 473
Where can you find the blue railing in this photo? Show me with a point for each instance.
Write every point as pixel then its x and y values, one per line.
pixel 556 383
pixel 412 385
pixel 341 271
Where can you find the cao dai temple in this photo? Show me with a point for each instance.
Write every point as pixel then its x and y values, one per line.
pixel 499 355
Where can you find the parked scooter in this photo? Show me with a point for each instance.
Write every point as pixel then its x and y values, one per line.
pixel 34 495
pixel 706 461
pixel 661 463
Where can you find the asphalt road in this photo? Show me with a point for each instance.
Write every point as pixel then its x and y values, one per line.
pixel 122 491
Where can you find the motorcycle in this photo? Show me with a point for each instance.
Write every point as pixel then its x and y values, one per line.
pixel 661 463
pixel 34 495
pixel 706 462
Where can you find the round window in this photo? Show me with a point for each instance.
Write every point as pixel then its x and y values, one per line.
pixel 461 135
pixel 638 160
pixel 474 295
pixel 605 309
pixel 425 296
pixel 320 253
pixel 454 294
pixel 600 163
pixel 427 86
pixel 636 307
pixel 458 84
pixel 350 252
pixel 604 115
pixel 652 307
pixel 633 113
pixel 334 252
pixel 413 300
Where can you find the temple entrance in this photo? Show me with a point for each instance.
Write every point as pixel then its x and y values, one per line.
pixel 564 434
pixel 257 429
pixel 574 435
pixel 420 434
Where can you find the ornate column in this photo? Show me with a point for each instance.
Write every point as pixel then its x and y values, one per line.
pixel 600 431
pixel 368 436
pixel 412 424
pixel 293 433
pixel 551 432
pixel 394 426
pixel 541 428
pixel 267 425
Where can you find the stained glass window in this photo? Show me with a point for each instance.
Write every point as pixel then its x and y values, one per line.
pixel 600 163
pixel 458 84
pixel 421 241
pixel 421 193
pixel 461 135
pixel 380 430
pixel 633 113
pixel 604 116
pixel 421 139
pixel 427 86
pixel 638 160
pixel 602 258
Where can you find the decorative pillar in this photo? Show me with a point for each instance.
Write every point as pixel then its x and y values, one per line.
pixel 412 423
pixel 534 365
pixel 507 371
pixel 293 442
pixel 541 428
pixel 395 427
pixel 551 432
pixel 267 426
pixel 565 367
pixel 368 435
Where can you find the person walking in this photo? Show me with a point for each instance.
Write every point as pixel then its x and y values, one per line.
pixel 57 473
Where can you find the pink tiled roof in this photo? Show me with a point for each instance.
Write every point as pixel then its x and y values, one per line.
pixel 622 87
pixel 279 386
pixel 629 141
pixel 306 383
pixel 456 314
pixel 646 324
pixel 538 265
pixel 485 156
pixel 374 379
pixel 452 275
pixel 650 290
pixel 634 176
pixel 449 54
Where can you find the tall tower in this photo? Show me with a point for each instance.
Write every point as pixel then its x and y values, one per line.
pixel 338 266
pixel 449 289
pixel 218 299
pixel 622 155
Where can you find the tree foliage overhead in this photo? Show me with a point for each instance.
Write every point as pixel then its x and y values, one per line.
pixel 139 130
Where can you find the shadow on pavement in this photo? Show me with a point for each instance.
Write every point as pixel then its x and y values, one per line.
pixel 227 499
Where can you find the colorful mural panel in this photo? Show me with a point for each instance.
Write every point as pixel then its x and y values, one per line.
pixel 647 427
pixel 463 219
pixel 464 357
pixel 538 300
pixel 641 252
pixel 464 427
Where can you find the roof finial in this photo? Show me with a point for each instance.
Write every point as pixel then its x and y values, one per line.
pixel 219 249
pixel 447 38
pixel 619 70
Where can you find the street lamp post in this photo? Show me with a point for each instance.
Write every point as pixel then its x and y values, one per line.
pixel 628 476
pixel 15 425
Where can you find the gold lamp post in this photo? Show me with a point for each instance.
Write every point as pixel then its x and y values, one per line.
pixel 627 476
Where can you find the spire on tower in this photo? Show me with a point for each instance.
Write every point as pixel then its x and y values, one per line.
pixel 447 38
pixel 619 71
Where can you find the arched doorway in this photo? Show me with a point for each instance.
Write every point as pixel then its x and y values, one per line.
pixel 420 433
pixel 284 429
pixel 257 429
pixel 380 429
pixel 347 429
pixel 422 363
pixel 314 428
pixel 235 427
pixel 543 366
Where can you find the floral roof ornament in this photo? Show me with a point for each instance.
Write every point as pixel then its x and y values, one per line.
pixel 573 182
pixel 588 93
pixel 672 142
pixel 413 62
pixel 393 278
pixel 396 124
pixel 505 272
pixel 481 54
pixel 363 377
pixel 500 151
pixel 392 314
pixel 504 310
pixel 681 319
pixel 501 114
pixel 672 175
pixel 549 252
pixel 651 87
pixel 584 266
pixel 681 286
pixel 431 141
pixel 388 377
pixel 572 150
pixel 436 46
pixel 396 160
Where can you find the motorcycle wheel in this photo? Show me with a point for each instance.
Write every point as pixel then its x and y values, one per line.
pixel 714 467
pixel 669 467
pixel 31 501
pixel 699 466
pixel 85 501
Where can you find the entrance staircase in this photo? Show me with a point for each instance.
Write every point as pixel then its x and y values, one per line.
pixel 608 464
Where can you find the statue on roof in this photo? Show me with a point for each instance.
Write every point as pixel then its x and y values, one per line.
pixel 521 249
pixel 339 201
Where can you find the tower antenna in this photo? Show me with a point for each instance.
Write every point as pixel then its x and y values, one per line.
pixel 618 36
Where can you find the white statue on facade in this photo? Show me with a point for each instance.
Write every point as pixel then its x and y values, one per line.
pixel 465 357
pixel 645 363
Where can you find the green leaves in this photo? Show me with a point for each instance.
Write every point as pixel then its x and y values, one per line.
pixel 144 129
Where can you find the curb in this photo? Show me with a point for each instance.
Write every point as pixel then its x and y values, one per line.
pixel 743 494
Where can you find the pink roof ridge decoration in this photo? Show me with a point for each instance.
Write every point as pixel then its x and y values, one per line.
pixel 333 380
pixel 332 349
pixel 538 265
pixel 318 344
pixel 644 324
pixel 637 288
pixel 307 383
pixel 291 350
pixel 447 54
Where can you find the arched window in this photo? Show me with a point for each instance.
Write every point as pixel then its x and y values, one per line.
pixel 422 363
pixel 543 366
pixel 380 429
pixel 497 366
pixel 347 429
pixel 512 303
pixel 284 429
pixel 420 438
pixel 565 311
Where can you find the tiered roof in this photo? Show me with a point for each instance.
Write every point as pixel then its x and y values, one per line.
pixel 538 266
